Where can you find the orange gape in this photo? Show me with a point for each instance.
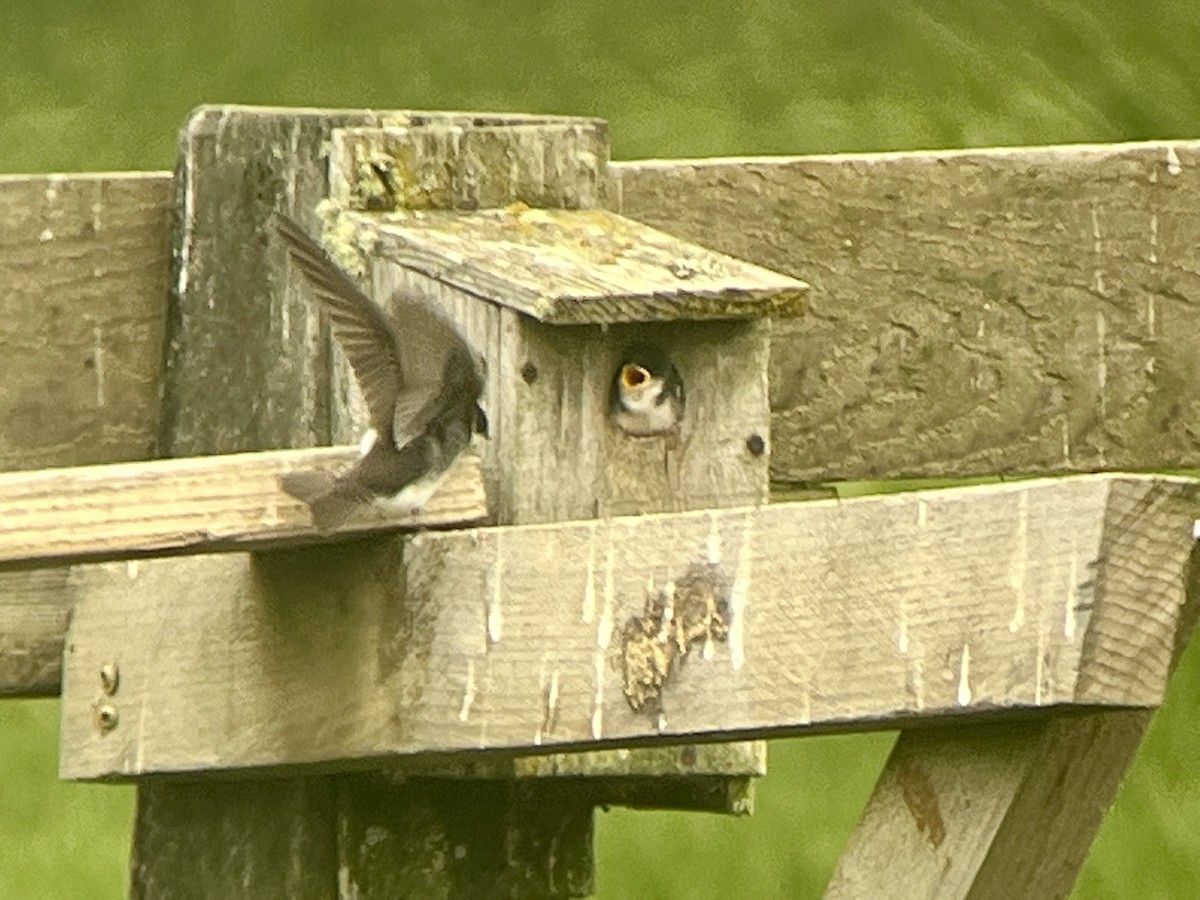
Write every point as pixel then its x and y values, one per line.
pixel 633 375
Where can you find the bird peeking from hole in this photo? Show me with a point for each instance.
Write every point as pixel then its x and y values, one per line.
pixel 421 382
pixel 646 398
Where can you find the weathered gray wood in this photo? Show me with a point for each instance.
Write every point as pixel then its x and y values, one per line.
pixel 459 162
pixel 777 620
pixel 236 839
pixel 35 608
pixel 971 312
pixel 854 394
pixel 246 369
pixel 471 838
pixel 551 454
pixel 83 278
pixel 582 267
pixel 239 326
pixel 247 364
pixel 1011 810
pixel 56 516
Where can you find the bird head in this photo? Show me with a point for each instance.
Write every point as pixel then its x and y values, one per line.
pixel 646 397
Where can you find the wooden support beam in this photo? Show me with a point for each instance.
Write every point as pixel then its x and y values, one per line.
pixel 59 516
pixel 972 312
pixel 769 621
pixel 999 810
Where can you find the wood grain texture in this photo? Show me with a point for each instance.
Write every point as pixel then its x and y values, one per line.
pixel 440 162
pixel 239 324
pixel 35 609
pixel 84 263
pixel 249 368
pixel 363 836
pixel 590 266
pixel 240 839
pixel 854 614
pixel 982 234
pixel 59 516
pixel 1002 810
pixel 551 453
pixel 971 312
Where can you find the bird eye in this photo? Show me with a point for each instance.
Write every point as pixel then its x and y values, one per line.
pixel 632 376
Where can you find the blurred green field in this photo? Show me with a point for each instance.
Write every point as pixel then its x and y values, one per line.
pixel 103 86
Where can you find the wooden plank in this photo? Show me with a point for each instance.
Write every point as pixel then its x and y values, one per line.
pixel 655 629
pixel 854 395
pixel 57 516
pixel 591 266
pixel 83 282
pixel 971 312
pixel 35 609
pixel 441 162
pixel 1006 810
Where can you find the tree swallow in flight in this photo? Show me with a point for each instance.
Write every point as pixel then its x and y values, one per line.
pixel 420 380
pixel 646 397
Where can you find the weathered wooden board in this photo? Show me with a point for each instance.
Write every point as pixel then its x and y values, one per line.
pixel 1002 810
pixel 875 382
pixel 439 161
pixel 778 620
pixel 249 367
pixel 239 325
pixel 583 266
pixel 57 516
pixel 84 262
pixel 971 312
pixel 35 609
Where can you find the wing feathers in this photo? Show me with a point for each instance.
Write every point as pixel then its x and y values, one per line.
pixel 403 391
pixel 359 325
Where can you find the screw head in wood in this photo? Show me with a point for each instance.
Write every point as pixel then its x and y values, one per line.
pixel 106 718
pixel 529 373
pixel 110 677
pixel 756 445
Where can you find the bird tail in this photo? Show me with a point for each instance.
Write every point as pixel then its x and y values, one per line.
pixel 318 490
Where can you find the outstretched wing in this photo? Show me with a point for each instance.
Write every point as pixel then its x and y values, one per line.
pixel 403 390
pixel 359 325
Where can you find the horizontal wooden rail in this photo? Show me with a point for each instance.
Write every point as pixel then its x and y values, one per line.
pixel 1077 334
pixel 131 510
pixel 654 629
pixel 52 517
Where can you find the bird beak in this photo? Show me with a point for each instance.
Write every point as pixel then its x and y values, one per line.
pixel 633 376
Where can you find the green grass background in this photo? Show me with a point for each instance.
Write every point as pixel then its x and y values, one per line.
pixel 88 85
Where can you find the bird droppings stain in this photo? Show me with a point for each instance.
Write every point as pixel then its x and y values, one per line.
pixel 692 611
pixel 922 802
